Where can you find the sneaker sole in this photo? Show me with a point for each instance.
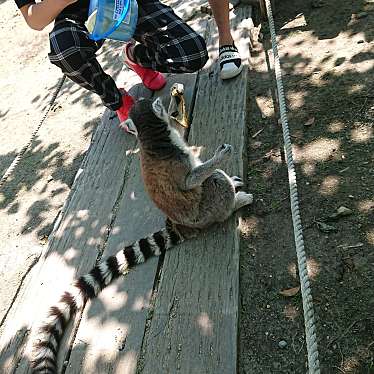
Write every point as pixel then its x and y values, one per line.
pixel 231 74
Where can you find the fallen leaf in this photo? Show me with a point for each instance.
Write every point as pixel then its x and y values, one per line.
pixel 344 211
pixel 341 212
pixel 290 291
pixel 324 227
pixel 309 122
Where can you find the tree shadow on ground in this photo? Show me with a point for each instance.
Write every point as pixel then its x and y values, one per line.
pixel 337 17
pixel 50 166
pixel 329 91
pixel 82 224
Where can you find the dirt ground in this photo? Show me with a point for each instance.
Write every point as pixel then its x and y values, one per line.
pixel 327 59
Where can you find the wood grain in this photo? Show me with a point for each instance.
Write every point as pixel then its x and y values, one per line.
pixel 111 331
pixel 195 321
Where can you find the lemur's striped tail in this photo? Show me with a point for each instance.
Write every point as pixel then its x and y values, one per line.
pixel 87 287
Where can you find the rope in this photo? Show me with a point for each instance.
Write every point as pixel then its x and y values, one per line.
pixel 309 318
pixel 16 161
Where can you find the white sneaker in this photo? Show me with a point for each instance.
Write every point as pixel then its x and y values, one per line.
pixel 230 62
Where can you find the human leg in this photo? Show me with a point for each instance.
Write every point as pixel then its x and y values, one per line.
pixel 166 43
pixel 229 57
pixel 220 9
pixel 75 54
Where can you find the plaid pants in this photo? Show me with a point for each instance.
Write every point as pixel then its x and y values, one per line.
pixel 167 44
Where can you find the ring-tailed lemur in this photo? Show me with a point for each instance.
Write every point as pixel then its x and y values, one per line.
pixel 192 194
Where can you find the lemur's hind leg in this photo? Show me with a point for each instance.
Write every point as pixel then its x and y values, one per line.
pixel 242 198
pixel 203 171
pixel 237 181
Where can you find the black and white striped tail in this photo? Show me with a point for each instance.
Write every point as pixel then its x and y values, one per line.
pixel 87 287
pixel 230 63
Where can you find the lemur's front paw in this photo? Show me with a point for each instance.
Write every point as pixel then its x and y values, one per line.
pixel 223 152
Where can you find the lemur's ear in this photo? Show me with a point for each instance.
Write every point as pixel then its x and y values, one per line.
pixel 159 110
pixel 157 107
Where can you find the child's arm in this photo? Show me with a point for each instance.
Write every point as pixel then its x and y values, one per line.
pixel 41 14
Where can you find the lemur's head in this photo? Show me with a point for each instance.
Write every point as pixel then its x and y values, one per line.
pixel 147 116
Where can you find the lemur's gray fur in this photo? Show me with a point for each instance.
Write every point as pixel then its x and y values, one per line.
pixel 192 194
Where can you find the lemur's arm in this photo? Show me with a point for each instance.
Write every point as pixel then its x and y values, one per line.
pixel 200 173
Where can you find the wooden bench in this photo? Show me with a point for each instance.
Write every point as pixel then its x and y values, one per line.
pixel 177 314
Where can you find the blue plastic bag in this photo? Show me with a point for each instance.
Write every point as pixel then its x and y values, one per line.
pixel 112 19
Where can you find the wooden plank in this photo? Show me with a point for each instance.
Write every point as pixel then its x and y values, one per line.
pixel 112 327
pixel 76 243
pixel 195 321
pixel 111 331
